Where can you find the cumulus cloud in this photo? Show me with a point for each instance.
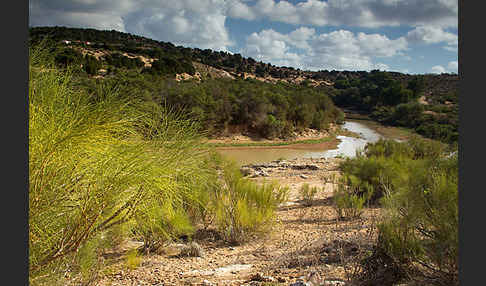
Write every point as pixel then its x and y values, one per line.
pixel 271 46
pixel 236 9
pixel 103 15
pixel 453 66
pixel 360 13
pixel 184 22
pixel 433 35
pixel 438 69
pixel 196 24
pixel 339 50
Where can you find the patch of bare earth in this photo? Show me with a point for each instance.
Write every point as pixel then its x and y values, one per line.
pixel 308 242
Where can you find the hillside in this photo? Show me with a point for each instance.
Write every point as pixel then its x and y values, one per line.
pixel 234 64
pixel 104 54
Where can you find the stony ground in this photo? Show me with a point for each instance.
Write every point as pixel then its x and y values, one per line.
pixel 308 244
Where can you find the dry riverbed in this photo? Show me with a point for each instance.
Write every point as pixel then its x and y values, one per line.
pixel 307 244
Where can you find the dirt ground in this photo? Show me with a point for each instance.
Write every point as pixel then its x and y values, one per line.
pixel 308 243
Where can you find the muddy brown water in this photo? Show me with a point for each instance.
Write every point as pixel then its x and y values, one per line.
pixel 346 148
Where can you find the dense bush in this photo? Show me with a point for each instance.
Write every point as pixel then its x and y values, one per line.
pixel 221 105
pixel 271 110
pixel 91 65
pixel 420 230
pixel 416 183
pixel 67 57
pixel 118 60
pixel 170 66
pixel 383 165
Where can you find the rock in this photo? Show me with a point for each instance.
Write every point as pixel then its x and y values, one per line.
pixel 261 278
pixel 207 283
pixel 300 283
pixel 305 167
pixel 221 271
pixel 334 283
pixel 313 167
pixel 178 249
pixel 172 249
pixel 314 278
pixel 193 249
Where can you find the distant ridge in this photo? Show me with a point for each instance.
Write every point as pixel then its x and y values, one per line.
pixel 234 64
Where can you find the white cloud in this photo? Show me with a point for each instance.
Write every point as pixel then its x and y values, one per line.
pixel 361 13
pixel 189 23
pixel 239 10
pixel 438 69
pixel 271 46
pixel 85 14
pixel 433 35
pixel 380 46
pixel 184 22
pixel 453 66
pixel 339 50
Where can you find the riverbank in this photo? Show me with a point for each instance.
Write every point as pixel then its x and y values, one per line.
pixel 307 136
pixel 244 149
pixel 390 132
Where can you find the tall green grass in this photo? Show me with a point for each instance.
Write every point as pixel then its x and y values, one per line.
pixel 100 160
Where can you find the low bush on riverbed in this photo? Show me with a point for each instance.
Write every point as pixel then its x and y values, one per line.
pixel 350 196
pixel 418 237
pixel 307 193
pixel 244 208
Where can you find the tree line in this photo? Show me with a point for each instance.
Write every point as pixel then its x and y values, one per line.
pixel 392 102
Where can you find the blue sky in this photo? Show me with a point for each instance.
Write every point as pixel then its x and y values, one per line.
pixel 410 36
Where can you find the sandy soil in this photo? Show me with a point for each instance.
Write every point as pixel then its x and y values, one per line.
pixel 307 240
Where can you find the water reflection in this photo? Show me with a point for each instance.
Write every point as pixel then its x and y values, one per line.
pixel 349 145
pixel 347 148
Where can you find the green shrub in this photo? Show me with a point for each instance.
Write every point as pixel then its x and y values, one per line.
pixel 96 160
pixel 417 181
pixel 350 196
pixel 307 193
pixel 378 173
pixel 421 225
pixel 385 165
pixel 244 208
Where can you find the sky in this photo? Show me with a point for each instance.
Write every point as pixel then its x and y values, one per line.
pixel 408 36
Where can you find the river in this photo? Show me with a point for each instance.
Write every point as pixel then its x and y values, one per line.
pixel 346 148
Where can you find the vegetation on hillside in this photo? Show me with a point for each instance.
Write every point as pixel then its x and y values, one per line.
pixel 223 106
pixel 393 103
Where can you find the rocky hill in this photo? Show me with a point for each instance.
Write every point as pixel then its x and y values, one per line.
pixel 214 64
